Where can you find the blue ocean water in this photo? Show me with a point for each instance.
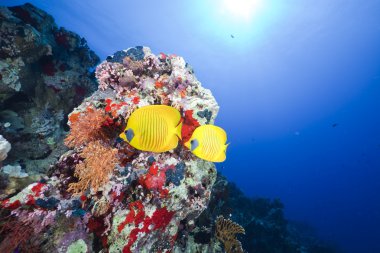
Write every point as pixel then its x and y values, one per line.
pixel 298 84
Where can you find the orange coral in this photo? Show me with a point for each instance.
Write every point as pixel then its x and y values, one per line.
pixel 86 128
pixel 226 231
pixel 74 116
pixel 94 171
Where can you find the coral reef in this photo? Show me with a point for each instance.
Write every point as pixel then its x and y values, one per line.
pixel 44 74
pixel 118 198
pixel 102 195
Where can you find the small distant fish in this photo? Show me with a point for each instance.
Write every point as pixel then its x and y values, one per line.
pixel 154 128
pixel 208 142
pixel 232 36
pixel 335 125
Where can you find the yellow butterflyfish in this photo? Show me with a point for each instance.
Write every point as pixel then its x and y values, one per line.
pixel 208 142
pixel 154 128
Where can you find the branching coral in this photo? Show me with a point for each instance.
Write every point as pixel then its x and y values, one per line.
pixel 86 127
pixel 226 231
pixel 94 171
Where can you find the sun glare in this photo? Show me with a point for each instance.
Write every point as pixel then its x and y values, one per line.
pixel 237 23
pixel 240 10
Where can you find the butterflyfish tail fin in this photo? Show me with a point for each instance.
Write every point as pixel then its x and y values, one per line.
pixel 225 147
pixel 178 130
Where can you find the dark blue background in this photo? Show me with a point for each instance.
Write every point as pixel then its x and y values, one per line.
pixel 291 71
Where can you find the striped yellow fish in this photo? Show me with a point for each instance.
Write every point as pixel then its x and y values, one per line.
pixel 208 142
pixel 154 128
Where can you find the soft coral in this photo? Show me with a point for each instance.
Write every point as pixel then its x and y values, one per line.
pixel 94 171
pixel 86 127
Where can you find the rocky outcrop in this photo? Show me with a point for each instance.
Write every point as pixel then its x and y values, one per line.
pixel 44 74
pixel 116 197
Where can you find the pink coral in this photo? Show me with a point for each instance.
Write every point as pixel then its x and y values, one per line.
pixel 116 76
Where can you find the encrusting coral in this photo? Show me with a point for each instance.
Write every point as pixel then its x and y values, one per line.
pixel 226 231
pixel 96 169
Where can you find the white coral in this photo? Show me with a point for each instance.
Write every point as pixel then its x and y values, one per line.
pixel 5 147
pixel 14 171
